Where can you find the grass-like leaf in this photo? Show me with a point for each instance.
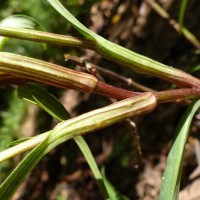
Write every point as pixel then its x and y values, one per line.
pixel 182 13
pixel 44 99
pixel 113 192
pixel 67 15
pixel 194 69
pixel 10 185
pixel 16 142
pixel 172 173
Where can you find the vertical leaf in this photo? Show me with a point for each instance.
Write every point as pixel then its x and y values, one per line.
pixel 182 13
pixel 172 173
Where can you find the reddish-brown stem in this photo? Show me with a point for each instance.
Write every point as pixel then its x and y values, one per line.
pixel 113 92
pixel 110 74
pixel 162 97
pixel 176 94
pixel 10 79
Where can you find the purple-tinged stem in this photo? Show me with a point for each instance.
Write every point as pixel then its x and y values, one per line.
pixel 113 92
pixel 176 94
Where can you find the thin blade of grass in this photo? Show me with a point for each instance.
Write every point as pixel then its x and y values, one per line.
pixel 182 14
pixel 16 142
pixel 194 69
pixel 113 192
pixel 172 173
pixel 66 14
pixel 93 166
pixel 44 99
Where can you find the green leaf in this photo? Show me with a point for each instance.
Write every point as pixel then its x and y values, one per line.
pixel 13 181
pixel 113 193
pixel 14 143
pixel 44 99
pixel 93 166
pixel 172 173
pixel 182 13
pixel 66 14
pixel 194 69
pixel 18 21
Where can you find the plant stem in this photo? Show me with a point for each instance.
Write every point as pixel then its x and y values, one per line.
pixel 6 79
pixel 110 74
pixel 113 92
pixel 176 94
pixel 111 51
pixel 80 125
pixel 46 37
pixel 22 147
pixel 44 72
pixel 121 55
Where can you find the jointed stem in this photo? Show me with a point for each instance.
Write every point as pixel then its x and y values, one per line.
pixel 44 72
pixel 110 74
pixel 111 51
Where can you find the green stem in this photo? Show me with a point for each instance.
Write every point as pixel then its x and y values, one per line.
pixel 46 37
pixel 44 72
pixel 22 147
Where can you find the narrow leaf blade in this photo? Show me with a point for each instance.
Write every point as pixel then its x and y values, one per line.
pixel 182 13
pixel 172 173
pixel 44 99
pixel 67 15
